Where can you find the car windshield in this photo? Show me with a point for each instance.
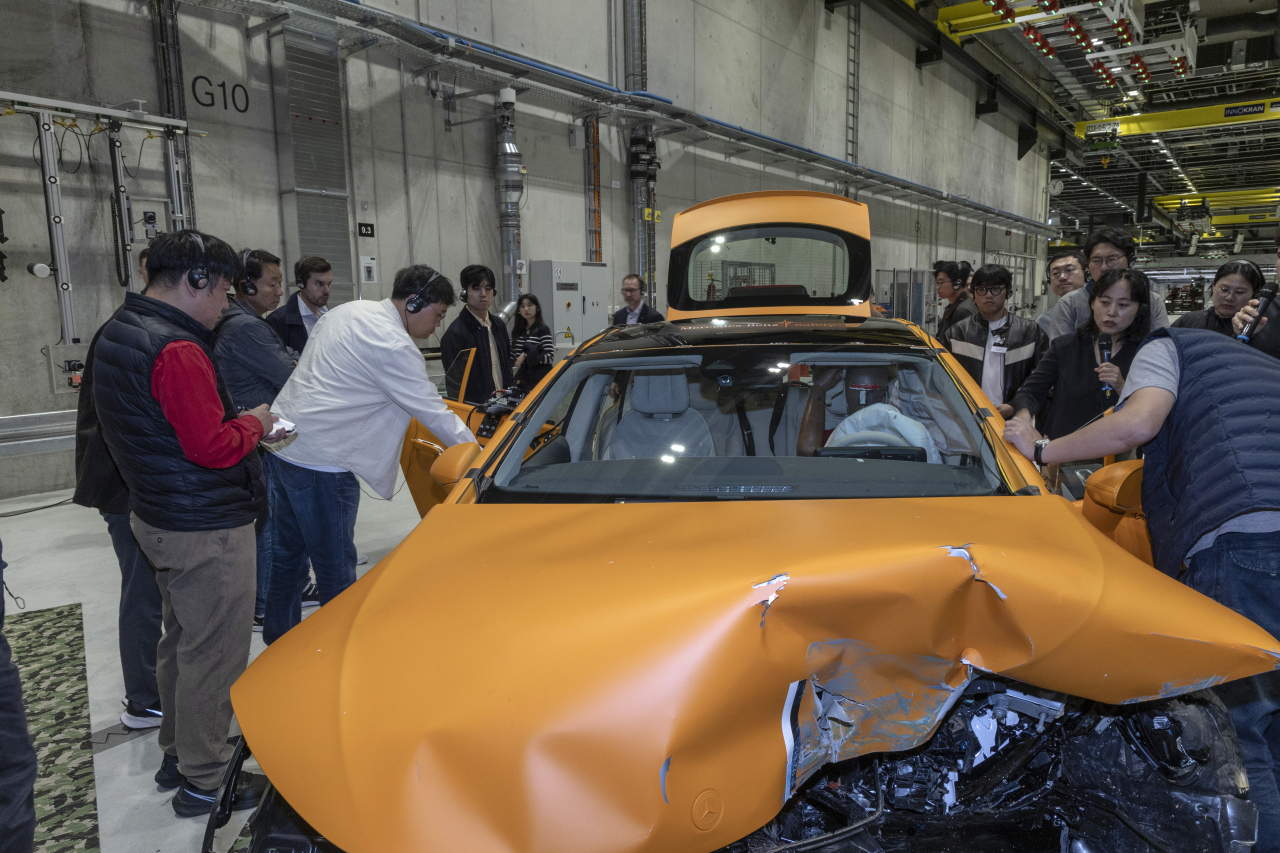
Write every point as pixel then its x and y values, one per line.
pixel 770 265
pixel 735 422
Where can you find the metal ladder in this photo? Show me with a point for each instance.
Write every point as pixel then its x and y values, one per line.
pixel 854 12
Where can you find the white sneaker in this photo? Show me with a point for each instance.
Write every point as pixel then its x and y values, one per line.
pixel 361 559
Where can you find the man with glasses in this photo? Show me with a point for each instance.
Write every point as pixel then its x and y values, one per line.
pixel 1000 350
pixel 636 311
pixel 1108 249
pixel 360 380
pixel 1066 274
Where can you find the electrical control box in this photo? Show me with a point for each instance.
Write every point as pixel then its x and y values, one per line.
pixel 574 296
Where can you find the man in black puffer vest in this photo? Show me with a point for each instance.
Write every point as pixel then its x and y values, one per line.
pixel 195 493
pixel 1204 405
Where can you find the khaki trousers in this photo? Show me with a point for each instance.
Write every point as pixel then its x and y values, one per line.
pixel 207 581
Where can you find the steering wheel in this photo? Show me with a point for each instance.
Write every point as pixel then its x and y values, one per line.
pixel 870 437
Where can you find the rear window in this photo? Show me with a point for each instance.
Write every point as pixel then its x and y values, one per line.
pixel 770 265
pixel 770 422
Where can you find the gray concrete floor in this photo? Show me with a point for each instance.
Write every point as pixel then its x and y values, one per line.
pixel 63 555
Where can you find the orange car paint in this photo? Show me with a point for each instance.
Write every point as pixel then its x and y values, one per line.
pixel 514 678
pixel 825 209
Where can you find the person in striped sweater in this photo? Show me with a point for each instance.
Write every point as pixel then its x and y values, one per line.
pixel 532 349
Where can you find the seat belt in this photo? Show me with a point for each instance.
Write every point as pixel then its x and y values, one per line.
pixel 776 419
pixel 745 425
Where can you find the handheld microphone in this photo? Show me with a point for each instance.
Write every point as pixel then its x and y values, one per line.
pixel 1265 297
pixel 1104 348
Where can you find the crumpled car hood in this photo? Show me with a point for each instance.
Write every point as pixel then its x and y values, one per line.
pixel 659 677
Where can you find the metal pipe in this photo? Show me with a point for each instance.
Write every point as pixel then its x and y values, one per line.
pixel 404 151
pixel 636 60
pixel 121 215
pixel 642 164
pixel 53 211
pixel 509 185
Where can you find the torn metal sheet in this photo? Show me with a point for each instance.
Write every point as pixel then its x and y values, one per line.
pixel 535 713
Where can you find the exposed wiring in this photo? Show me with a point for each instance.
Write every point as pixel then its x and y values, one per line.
pixel 17 599
pixel 35 509
pixel 149 135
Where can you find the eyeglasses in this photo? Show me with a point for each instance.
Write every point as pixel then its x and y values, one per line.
pixel 630 290
pixel 1108 261
pixel 990 289
pixel 1228 290
pixel 1064 272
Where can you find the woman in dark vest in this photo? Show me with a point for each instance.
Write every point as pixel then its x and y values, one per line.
pixel 1235 283
pixel 1073 377
pixel 532 349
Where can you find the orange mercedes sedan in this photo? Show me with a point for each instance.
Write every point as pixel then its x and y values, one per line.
pixel 763 578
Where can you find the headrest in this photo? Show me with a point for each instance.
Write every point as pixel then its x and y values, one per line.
pixel 663 392
pixel 703 395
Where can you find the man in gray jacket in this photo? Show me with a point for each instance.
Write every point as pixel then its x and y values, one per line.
pixel 1108 249
pixel 255 364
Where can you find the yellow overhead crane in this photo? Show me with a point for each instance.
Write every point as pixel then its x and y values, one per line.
pixel 968 19
pixel 1260 197
pixel 1243 112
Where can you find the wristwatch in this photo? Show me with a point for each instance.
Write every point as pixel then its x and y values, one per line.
pixel 1040 446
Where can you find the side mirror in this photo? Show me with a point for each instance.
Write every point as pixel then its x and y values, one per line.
pixel 1117 487
pixel 453 463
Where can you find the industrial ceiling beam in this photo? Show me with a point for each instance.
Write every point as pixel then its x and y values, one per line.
pixel 1243 112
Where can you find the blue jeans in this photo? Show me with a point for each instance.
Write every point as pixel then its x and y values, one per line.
pixel 1242 571
pixel 140 609
pixel 266 540
pixel 314 515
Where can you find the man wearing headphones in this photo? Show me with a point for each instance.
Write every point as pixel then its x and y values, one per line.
pixel 1000 350
pixel 359 382
pixel 298 317
pixel 195 493
pixel 635 311
pixel 255 364
pixel 1066 274
pixel 1108 249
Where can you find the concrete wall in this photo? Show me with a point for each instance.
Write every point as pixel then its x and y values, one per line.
pixel 775 66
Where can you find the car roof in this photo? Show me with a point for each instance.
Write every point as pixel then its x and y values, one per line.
pixel 807 330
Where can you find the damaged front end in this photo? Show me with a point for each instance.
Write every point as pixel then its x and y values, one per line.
pixel 1014 768
pixel 1021 690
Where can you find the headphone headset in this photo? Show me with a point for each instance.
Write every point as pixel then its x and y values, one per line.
pixel 414 304
pixel 247 287
pixel 198 276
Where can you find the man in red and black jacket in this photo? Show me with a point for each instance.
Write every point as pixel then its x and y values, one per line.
pixel 195 493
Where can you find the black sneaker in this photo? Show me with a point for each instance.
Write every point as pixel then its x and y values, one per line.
pixel 257 624
pixel 167 776
pixel 191 801
pixel 311 595
pixel 134 717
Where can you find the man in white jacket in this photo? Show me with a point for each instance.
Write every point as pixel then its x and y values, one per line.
pixel 360 380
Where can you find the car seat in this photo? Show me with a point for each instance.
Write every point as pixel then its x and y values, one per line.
pixel 659 422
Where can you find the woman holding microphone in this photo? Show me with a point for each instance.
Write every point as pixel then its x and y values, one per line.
pixel 1083 373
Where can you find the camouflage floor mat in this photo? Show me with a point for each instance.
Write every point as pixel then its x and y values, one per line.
pixel 48 647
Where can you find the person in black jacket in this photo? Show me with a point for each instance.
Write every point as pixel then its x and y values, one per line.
pixel 18 765
pixel 1074 371
pixel 255 364
pixel 532 348
pixel 950 279
pixel 636 311
pixel 295 320
pixel 1000 350
pixel 195 493
pixel 99 486
pixel 475 328
pixel 1234 284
